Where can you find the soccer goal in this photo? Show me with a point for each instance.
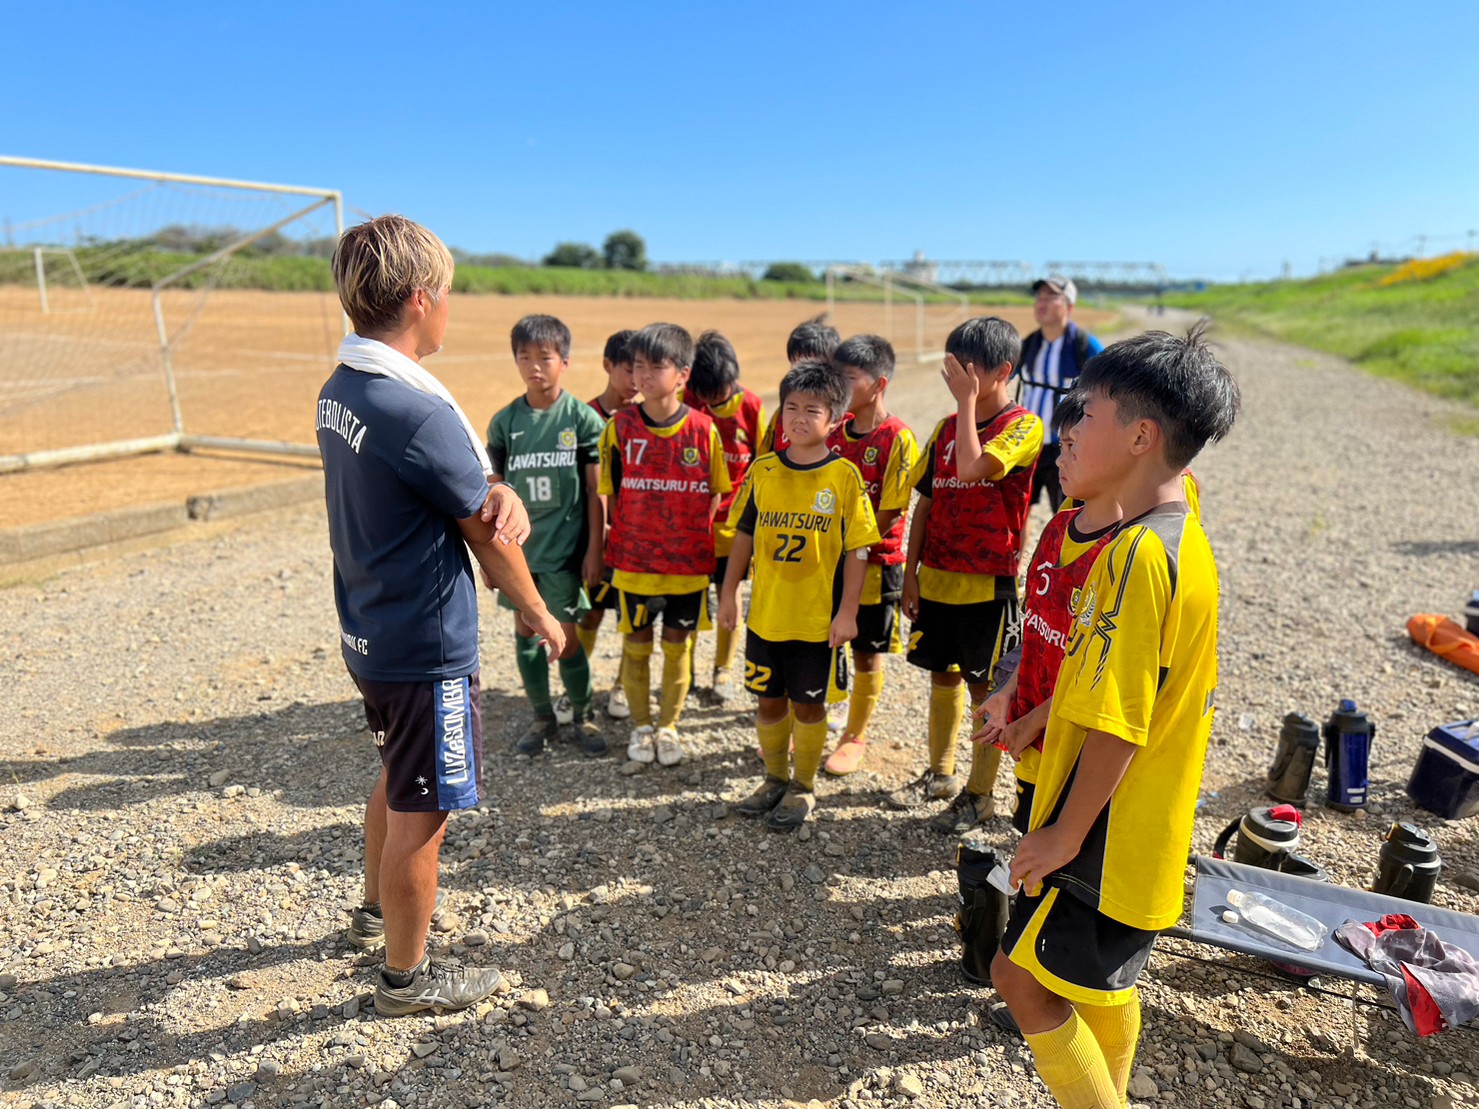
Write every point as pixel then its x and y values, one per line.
pixel 143 311
pixel 932 308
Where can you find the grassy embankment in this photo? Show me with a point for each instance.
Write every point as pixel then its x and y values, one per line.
pixel 1418 322
pixel 141 268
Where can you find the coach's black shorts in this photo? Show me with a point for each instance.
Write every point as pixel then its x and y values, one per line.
pixel 430 736
pixel 1045 477
pixel 604 596
pixel 688 612
pixel 1073 949
pixel 970 637
pixel 807 673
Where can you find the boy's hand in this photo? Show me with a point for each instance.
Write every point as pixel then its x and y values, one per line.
pixel 728 613
pixel 543 624
pixel 593 566
pixel 1017 736
pixel 960 380
pixel 844 629
pixel 506 512
pixel 910 600
pixel 1040 854
pixel 994 708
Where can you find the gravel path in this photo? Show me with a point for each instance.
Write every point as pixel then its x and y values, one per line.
pixel 186 761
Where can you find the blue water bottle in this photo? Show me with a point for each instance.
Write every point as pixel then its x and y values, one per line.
pixel 1348 735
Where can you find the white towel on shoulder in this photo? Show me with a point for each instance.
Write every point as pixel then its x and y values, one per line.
pixel 373 357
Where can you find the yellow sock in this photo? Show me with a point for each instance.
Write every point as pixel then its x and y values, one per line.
pixel 867 687
pixel 947 702
pixel 810 740
pixel 587 637
pixel 636 680
pixel 1116 1028
pixel 724 649
pixel 1072 1066
pixel 775 743
pixel 676 660
pixel 985 761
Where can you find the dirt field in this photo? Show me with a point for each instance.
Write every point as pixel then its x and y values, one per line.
pixel 250 364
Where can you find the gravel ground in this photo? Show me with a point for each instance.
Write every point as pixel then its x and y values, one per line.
pixel 186 763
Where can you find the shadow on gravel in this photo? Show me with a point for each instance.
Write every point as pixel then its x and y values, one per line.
pixel 1423 548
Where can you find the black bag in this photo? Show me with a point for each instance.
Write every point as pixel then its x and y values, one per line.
pixel 983 913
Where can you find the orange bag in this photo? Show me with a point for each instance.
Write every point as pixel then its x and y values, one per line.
pixel 1446 640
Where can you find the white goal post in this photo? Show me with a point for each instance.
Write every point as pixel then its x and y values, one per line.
pixel 68 388
pixel 895 283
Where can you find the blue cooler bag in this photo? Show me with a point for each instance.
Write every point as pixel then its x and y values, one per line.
pixel 1446 777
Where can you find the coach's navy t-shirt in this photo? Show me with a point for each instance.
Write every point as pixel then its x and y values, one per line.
pixel 399 472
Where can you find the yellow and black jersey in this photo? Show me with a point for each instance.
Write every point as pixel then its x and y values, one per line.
pixel 1191 489
pixel 802 519
pixel 1141 665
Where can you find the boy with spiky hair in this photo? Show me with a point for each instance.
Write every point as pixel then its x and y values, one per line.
pixel 804 515
pixel 621 392
pixel 714 388
pixel 965 547
pixel 545 443
pixel 1101 868
pixel 884 450
pixel 663 473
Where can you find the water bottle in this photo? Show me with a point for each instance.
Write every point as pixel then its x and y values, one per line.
pixel 1348 734
pixel 1277 919
pixel 1409 865
pixel 1294 759
pixel 1266 837
pixel 1471 613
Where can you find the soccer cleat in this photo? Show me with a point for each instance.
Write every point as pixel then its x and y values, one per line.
pixel 669 749
pixel 1001 1016
pixel 541 732
pixel 848 756
pixel 616 704
pixel 564 711
pixel 435 985
pixel 367 925
pixel 928 787
pixel 590 739
pixel 724 690
pixel 640 747
pixel 765 798
pixel 967 811
pixel 794 809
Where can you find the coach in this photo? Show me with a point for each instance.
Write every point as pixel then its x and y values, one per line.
pixel 1052 357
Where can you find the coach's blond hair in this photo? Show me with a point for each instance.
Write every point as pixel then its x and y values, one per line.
pixel 379 264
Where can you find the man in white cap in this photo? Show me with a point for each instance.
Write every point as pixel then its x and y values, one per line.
pixel 1052 357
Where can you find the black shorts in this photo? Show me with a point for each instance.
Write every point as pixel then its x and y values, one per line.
pixel 805 672
pixel 1074 950
pixel 688 612
pixel 1045 477
pixel 604 596
pixel 878 624
pixel 971 637
pixel 1023 812
pixel 430 736
pixel 721 567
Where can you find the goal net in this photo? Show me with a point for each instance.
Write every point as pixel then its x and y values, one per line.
pixel 145 311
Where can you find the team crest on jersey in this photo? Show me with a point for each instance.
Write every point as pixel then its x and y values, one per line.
pixel 825 502
pixel 690 456
pixel 567 438
pixel 740 436
pixel 1084 603
pixel 870 455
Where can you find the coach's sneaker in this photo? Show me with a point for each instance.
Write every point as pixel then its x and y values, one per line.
pixel 793 810
pixel 590 739
pixel 434 985
pixel 669 749
pixel 967 811
pixel 616 704
pixel 767 797
pixel 641 747
pixel 928 787
pixel 848 756
pixel 541 732
pixel 367 923
pixel 564 711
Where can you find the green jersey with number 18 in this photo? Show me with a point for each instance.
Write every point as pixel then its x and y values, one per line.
pixel 543 453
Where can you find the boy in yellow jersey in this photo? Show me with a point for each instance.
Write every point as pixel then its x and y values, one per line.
pixel 884 450
pixel 1102 866
pixel 805 516
pixel 965 548
pixel 663 473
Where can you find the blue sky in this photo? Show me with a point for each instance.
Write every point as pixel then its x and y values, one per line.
pixel 1219 140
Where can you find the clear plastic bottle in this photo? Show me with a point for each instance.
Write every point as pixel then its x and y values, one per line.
pixel 1278 919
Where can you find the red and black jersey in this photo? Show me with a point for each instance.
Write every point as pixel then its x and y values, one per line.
pixel 660 521
pixel 741 432
pixel 1056 574
pixel 871 453
pixel 600 408
pixel 976 527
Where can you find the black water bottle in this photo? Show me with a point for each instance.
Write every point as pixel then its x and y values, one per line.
pixel 983 912
pixel 1294 759
pixel 1409 864
pixel 1266 837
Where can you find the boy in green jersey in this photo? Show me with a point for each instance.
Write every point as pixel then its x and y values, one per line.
pixel 545 445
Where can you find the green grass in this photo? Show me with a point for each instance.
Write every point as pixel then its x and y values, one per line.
pixel 1425 333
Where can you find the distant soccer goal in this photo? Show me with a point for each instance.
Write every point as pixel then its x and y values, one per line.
pixel 917 313
pixel 146 311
